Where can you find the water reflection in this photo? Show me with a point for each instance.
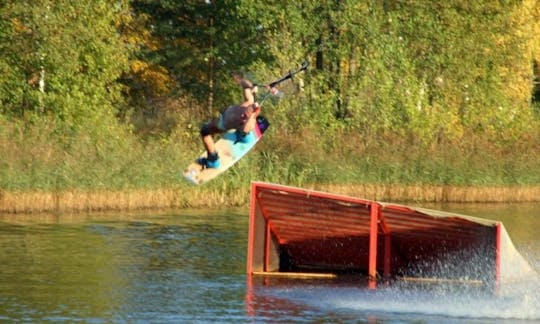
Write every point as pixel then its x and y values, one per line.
pixel 189 266
pixel 168 267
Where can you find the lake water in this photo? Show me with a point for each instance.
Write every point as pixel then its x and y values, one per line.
pixel 188 266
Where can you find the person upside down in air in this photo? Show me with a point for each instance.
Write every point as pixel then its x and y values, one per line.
pixel 241 117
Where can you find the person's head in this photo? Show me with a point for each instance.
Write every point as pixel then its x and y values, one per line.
pixel 237 76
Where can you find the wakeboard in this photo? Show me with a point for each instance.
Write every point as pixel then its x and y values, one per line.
pixel 230 151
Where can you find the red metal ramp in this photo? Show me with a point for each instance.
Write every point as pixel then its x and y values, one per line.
pixel 298 230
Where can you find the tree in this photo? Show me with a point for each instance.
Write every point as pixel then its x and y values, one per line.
pixel 199 43
pixel 62 59
pixel 18 64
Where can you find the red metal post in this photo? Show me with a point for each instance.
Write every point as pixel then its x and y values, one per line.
pixel 251 230
pixel 387 246
pixel 374 218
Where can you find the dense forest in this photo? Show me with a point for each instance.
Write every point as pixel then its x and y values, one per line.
pixel 100 94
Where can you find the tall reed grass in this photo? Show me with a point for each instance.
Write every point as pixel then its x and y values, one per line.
pixel 43 170
pixel 221 196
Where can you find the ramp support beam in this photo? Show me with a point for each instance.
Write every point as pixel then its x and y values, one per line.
pixel 374 222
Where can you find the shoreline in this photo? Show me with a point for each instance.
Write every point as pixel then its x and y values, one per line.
pixel 80 201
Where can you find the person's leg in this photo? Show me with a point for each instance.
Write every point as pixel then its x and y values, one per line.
pixel 207 132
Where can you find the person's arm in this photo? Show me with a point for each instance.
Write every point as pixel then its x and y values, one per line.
pixel 250 122
pixel 248 90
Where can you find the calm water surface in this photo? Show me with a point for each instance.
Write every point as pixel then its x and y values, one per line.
pixel 189 267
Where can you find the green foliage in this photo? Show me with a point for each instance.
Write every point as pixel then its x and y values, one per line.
pixel 64 59
pixel 200 43
pixel 429 70
pixel 95 94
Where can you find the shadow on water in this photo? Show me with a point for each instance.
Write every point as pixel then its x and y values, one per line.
pixel 189 266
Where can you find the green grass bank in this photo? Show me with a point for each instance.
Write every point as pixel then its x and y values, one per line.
pixel 42 170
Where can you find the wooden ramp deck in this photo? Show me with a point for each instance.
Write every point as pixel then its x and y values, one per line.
pixel 294 231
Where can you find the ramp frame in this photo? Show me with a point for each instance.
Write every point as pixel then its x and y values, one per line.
pixel 295 230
